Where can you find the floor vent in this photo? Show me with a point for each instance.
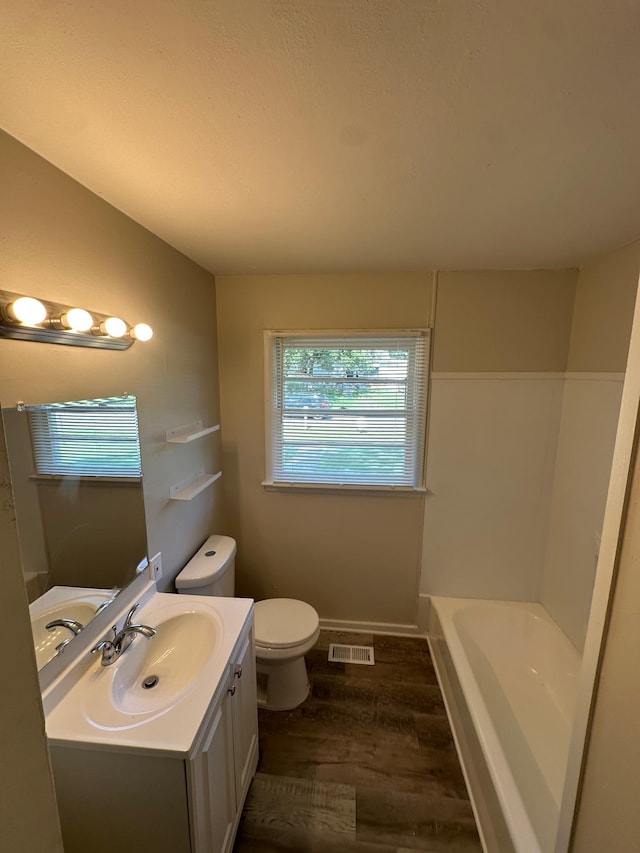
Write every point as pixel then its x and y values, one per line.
pixel 351 654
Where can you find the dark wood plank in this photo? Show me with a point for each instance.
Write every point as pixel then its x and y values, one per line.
pixel 410 695
pixel 433 731
pixel 281 802
pixel 416 821
pixel 356 762
pixel 347 638
pixel 332 718
pixel 303 841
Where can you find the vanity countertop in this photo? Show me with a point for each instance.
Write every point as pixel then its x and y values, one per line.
pixel 99 709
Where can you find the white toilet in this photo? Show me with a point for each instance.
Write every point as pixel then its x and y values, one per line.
pixel 285 629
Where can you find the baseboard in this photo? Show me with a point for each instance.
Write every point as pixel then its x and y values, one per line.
pixel 373 628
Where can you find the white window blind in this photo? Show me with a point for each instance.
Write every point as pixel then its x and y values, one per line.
pixel 347 409
pixel 87 438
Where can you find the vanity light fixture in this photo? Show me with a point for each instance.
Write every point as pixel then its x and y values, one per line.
pixel 27 319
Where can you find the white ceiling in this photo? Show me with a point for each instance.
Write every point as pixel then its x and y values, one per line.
pixel 334 135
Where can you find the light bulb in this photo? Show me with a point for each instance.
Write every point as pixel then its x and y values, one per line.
pixel 28 311
pixel 115 327
pixel 142 332
pixel 77 319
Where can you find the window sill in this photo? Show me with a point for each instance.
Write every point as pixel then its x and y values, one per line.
pixel 350 489
pixel 85 478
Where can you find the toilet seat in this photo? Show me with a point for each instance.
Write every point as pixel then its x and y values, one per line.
pixel 284 623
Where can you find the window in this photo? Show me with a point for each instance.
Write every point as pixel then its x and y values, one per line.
pixel 346 409
pixel 88 438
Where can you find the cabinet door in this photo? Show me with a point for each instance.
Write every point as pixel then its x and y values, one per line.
pixel 245 718
pixel 212 787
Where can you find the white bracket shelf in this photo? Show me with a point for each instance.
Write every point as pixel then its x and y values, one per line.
pixel 188 489
pixel 189 432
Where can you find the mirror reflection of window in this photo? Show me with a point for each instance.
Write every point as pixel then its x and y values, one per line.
pixel 76 480
pixel 87 438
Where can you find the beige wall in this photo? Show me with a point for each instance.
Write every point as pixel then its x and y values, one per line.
pixel 28 816
pixel 603 312
pixel 608 817
pixel 351 557
pixel 503 321
pixel 60 241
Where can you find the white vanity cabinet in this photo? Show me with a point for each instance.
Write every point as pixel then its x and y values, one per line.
pixel 225 757
pixel 121 797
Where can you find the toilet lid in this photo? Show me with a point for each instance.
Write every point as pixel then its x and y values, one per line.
pixel 284 622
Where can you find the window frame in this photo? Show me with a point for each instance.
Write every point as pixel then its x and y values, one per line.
pixel 420 433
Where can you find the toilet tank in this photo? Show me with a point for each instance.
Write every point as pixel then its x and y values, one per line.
pixel 211 570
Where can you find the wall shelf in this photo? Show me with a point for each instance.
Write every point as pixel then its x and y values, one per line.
pixel 189 432
pixel 188 489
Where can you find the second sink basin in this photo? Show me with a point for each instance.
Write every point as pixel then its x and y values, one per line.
pixel 62 603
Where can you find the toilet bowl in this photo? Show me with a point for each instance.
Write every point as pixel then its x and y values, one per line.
pixel 285 628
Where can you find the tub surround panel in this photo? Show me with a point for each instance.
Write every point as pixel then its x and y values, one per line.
pixel 590 410
pixel 489 473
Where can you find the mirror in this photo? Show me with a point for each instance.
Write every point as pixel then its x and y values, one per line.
pixel 77 485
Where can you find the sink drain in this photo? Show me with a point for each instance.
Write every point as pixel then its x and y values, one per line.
pixel 150 681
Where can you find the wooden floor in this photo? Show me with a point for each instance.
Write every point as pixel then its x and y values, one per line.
pixel 366 765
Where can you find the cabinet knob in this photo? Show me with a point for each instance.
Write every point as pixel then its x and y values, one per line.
pixel 238 672
pixel 232 690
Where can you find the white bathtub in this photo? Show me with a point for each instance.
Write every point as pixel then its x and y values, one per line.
pixel 509 677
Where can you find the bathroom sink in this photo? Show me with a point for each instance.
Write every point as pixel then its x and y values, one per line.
pixel 154 674
pixel 158 671
pixel 108 707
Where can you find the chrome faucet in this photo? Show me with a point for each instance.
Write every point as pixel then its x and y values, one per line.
pixel 102 606
pixel 71 624
pixel 121 640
